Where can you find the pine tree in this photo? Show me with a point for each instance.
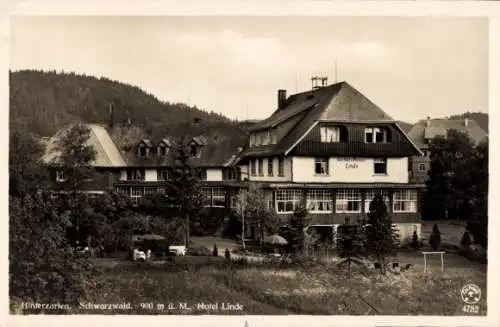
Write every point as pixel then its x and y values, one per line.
pixel 295 231
pixel 349 243
pixel 382 239
pixel 215 251
pixel 435 238
pixel 184 188
pixel 465 241
pixel 415 242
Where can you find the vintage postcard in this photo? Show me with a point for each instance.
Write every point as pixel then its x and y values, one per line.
pixel 315 165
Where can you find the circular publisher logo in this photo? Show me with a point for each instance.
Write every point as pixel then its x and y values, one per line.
pixel 471 294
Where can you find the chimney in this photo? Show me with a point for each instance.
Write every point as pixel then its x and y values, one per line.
pixel 319 82
pixel 428 122
pixel 281 99
pixel 466 122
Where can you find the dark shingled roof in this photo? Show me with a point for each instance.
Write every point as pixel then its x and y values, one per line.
pixel 339 102
pixel 216 150
pixel 419 132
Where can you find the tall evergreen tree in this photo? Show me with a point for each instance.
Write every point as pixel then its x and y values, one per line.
pixel 350 241
pixel 294 232
pixel 75 158
pixel 435 238
pixel 382 238
pixel 184 189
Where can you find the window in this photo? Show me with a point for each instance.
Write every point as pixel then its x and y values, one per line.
pixel 329 134
pixel 321 166
pixel 214 197
pixel 287 200
pixel 320 201
pixel 376 135
pixel 143 151
pixel 380 166
pixel 268 195
pixel 273 137
pixel 370 194
pixel 422 167
pixel 162 150
pixel 261 167
pixel 265 138
pixel 348 201
pixel 229 174
pixel 252 140
pixel 60 176
pixel 424 153
pixel 136 193
pixel 405 201
pixel 202 174
pixel 123 190
pixel 218 197
pixel 281 167
pixel 150 190
pixel 163 174
pixel 207 196
pixel 136 175
pixel 252 168
pixel 195 151
pixel 270 171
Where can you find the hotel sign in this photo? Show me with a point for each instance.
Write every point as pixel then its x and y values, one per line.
pixel 350 162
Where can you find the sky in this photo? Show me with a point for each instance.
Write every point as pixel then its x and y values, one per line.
pixel 411 67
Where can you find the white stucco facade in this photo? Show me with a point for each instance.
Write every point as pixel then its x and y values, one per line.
pixel 349 170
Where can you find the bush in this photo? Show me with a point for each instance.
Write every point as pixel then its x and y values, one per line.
pixel 215 251
pixel 465 242
pixel 199 251
pixel 435 238
pixel 227 254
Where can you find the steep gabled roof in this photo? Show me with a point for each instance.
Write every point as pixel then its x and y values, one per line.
pixel 339 102
pixel 420 131
pixel 107 154
pixel 147 143
pixel 166 142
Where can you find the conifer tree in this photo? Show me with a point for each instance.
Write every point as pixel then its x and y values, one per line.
pixel 435 238
pixel 349 243
pixel 382 239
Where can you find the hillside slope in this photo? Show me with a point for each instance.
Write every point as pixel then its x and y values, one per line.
pixel 46 101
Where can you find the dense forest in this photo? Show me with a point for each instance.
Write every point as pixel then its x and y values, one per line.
pixel 46 101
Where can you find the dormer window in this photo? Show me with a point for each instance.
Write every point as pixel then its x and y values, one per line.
pixel 195 150
pixel 143 149
pixel 377 135
pixel 163 148
pixel 60 176
pixel 333 134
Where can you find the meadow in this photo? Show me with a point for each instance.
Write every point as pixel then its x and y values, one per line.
pixel 309 288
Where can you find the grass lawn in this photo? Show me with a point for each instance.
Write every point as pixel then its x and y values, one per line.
pixel 268 289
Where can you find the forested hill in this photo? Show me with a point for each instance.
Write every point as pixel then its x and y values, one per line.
pixel 46 101
pixel 481 118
